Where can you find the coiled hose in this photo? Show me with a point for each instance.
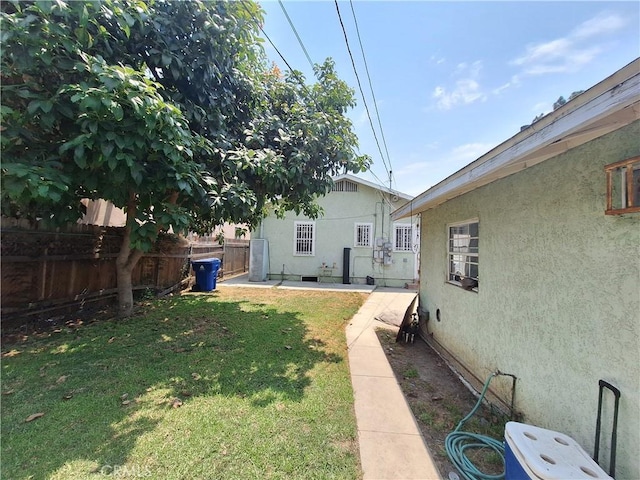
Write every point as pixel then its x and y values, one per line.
pixel 457 442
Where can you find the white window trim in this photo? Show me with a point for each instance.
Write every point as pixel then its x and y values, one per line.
pixel 448 252
pixel 313 239
pixel 355 234
pixel 395 237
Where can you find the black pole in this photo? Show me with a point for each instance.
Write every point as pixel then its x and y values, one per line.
pixel 614 431
pixel 345 265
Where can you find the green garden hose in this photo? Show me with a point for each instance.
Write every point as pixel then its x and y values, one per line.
pixel 457 442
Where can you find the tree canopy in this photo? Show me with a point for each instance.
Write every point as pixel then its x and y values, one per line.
pixel 168 110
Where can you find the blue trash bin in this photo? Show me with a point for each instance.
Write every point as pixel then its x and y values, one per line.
pixel 206 273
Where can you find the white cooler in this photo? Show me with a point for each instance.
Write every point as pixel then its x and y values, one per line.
pixel 533 453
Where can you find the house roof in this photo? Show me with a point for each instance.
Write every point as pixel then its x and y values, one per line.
pixel 605 107
pixel 353 178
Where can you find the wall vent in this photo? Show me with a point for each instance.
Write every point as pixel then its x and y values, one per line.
pixel 345 186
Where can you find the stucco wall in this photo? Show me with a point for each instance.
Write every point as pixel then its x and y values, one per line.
pixel 334 232
pixel 558 303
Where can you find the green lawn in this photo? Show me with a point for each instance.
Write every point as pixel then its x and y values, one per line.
pixel 237 384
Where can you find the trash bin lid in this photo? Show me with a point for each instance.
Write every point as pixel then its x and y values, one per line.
pixel 207 261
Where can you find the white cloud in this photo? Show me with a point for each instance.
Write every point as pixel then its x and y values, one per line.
pixel 544 52
pixel 542 107
pixel 468 152
pixel 572 52
pixel 501 88
pixel 472 70
pixel 418 175
pixel 601 24
pixel 515 81
pixel 466 90
pixel 541 59
pixel 361 119
pixel 460 68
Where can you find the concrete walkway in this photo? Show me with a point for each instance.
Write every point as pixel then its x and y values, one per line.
pixel 391 446
pixel 243 281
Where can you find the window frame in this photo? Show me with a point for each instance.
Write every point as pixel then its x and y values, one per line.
pixel 403 226
pixel 296 239
pixel 469 255
pixel 627 174
pixel 369 227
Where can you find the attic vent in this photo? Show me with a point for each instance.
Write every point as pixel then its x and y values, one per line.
pixel 345 186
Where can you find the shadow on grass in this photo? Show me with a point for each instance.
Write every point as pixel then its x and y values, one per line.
pixel 103 385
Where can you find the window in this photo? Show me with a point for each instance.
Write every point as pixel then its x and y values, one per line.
pixel 403 238
pixel 362 235
pixel 304 241
pixel 463 254
pixel 623 186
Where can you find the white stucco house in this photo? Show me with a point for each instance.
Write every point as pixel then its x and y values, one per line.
pixel 353 239
pixel 530 264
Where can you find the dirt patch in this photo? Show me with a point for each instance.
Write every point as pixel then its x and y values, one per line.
pixel 439 400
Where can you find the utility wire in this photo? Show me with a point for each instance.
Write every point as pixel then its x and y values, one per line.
pixel 268 38
pixel 380 182
pixel 296 34
pixel 353 63
pixel 295 73
pixel 375 103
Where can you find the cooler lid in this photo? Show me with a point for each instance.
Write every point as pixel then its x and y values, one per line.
pixel 551 455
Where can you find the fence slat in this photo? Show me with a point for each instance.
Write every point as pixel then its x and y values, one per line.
pixel 42 269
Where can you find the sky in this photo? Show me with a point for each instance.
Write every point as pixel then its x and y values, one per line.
pixel 453 79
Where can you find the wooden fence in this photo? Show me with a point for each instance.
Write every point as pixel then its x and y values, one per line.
pixel 43 270
pixel 234 255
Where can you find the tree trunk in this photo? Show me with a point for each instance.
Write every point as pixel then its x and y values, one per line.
pixel 125 262
pixel 128 258
pixel 125 291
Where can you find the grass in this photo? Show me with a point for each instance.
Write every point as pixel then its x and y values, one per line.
pixel 241 383
pixel 432 415
pixel 410 373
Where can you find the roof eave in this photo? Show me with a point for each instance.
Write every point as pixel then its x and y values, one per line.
pixel 607 106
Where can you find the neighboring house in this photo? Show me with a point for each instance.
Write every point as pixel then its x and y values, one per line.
pixel 227 231
pixel 104 213
pixel 356 218
pixel 530 264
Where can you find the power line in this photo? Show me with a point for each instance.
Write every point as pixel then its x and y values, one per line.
pixel 380 182
pixel 353 63
pixel 295 73
pixel 267 37
pixel 296 33
pixel 375 103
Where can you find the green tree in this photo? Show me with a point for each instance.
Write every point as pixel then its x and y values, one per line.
pixel 300 139
pixel 166 109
